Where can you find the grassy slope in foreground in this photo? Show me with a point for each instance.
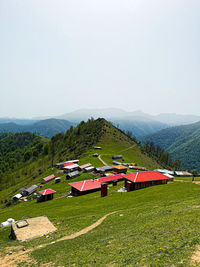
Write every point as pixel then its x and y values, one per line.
pixel 160 226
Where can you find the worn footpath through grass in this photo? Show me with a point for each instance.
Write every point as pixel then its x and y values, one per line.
pixel 156 226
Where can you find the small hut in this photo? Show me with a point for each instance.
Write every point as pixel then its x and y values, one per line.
pixel 48 179
pixel 120 169
pixel 28 191
pixel 45 195
pixel 72 175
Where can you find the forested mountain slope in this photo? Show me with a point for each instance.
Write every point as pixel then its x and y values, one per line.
pixel 182 142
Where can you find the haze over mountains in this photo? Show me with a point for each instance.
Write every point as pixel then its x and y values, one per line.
pixel 47 128
pixel 138 122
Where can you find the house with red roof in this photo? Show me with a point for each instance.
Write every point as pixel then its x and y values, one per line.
pixel 84 187
pixel 111 179
pixel 141 180
pixel 48 178
pixel 45 195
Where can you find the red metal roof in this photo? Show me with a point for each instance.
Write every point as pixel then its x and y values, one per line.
pixel 68 164
pixel 70 167
pixel 49 178
pixel 110 178
pixel 86 185
pixel 145 177
pixel 47 192
pixel 85 165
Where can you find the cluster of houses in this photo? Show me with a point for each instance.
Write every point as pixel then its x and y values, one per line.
pixel 106 175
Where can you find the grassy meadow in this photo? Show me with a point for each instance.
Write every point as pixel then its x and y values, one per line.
pixel 156 226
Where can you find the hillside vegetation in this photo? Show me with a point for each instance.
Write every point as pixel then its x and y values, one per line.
pixel 38 160
pixel 182 142
pixel 47 128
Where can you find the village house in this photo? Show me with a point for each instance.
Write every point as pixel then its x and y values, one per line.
pixel 84 187
pixel 114 179
pixel 120 169
pixel 72 175
pixel 57 180
pixel 82 167
pixel 117 157
pixel 116 162
pixel 71 168
pixel 28 191
pixel 141 180
pixel 45 195
pixel 182 174
pixel 48 178
pixel 137 168
pixel 17 197
pixel 89 169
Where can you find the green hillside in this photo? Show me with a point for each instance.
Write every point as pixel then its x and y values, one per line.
pixel 182 142
pixel 37 161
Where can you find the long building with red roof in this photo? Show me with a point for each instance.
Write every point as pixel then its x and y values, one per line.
pixel 140 180
pixel 85 187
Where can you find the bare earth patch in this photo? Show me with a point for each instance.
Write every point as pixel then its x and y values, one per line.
pixel 195 259
pixel 15 258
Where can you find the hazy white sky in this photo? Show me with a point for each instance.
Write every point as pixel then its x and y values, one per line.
pixel 60 55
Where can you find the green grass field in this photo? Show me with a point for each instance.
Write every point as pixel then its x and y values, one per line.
pixel 158 226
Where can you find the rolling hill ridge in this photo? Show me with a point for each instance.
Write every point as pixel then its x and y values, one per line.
pixel 182 142
pixel 47 128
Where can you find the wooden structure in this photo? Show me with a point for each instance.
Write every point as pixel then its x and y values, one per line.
pixel 85 187
pixel 82 167
pixel 117 157
pixel 29 190
pixel 110 179
pixel 137 168
pixel 120 169
pixel 97 147
pixel 141 180
pixel 57 180
pixel 46 195
pixel 48 179
pixel 182 174
pixel 71 167
pixel 104 190
pixel 72 175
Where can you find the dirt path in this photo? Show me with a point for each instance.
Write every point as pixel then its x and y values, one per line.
pixel 104 163
pixel 127 148
pixel 21 255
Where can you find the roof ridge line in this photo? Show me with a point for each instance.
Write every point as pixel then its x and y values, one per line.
pixel 83 185
pixel 136 176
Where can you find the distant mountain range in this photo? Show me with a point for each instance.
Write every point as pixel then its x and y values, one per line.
pixel 138 122
pixel 47 128
pixel 182 142
pixel 110 113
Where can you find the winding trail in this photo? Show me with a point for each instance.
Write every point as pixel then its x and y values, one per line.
pixel 104 163
pixel 12 260
pixel 127 148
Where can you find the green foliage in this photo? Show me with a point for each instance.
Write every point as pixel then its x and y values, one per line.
pixel 162 156
pixel 16 151
pixel 182 142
